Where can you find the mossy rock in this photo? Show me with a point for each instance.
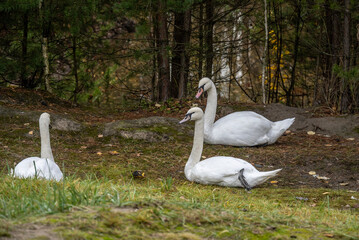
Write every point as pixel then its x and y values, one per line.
pixel 58 121
pixel 153 129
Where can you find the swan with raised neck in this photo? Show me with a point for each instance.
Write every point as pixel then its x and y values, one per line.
pixel 245 128
pixel 44 166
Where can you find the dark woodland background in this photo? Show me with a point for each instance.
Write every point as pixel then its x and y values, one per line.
pixel 105 53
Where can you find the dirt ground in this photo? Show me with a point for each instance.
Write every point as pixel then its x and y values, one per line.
pixel 320 150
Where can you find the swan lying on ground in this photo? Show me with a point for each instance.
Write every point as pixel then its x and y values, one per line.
pixel 219 170
pixel 244 128
pixel 44 167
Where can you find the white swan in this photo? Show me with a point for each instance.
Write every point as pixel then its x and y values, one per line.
pixel 219 170
pixel 44 167
pixel 243 128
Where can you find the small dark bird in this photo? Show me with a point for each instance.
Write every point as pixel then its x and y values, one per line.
pixel 138 174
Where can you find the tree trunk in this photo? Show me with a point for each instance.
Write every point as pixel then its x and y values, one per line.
pixel 163 58
pixel 44 45
pixel 269 73
pixel 200 39
pixel 154 79
pixel 75 68
pixel 346 61
pixel 185 57
pixel 264 64
pixel 209 37
pixel 178 50
pixel 279 43
pixel 180 60
pixel 24 79
pixel 289 92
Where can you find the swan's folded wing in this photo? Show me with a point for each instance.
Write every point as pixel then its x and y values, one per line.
pixel 241 129
pixel 218 169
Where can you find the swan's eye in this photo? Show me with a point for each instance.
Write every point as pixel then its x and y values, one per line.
pixel 189 115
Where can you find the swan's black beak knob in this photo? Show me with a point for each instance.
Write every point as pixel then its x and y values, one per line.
pixel 200 91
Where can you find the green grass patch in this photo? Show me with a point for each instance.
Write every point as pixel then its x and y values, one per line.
pixel 174 209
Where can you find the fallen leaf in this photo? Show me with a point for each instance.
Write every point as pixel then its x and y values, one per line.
pixel 31 132
pixel 99 153
pixel 312 173
pixel 313 205
pixel 325 193
pixel 311 133
pixel 83 147
pixel 157 105
pixel 350 139
pixel 273 182
pixel 137 154
pixel 329 235
pixel 100 136
pixel 288 131
pixel 114 153
pixel 328 145
pixel 204 157
pixel 322 178
pixel 343 184
pixel 26 124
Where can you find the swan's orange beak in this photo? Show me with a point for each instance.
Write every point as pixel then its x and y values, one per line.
pixel 200 91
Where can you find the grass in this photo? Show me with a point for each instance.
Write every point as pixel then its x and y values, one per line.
pixel 173 209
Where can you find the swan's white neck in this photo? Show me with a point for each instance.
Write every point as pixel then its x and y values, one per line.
pixel 45 141
pixel 211 108
pixel 197 149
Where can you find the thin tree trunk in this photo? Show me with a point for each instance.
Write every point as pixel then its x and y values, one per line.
pixel 154 90
pixel 180 59
pixel 289 94
pixel 24 80
pixel 209 37
pixel 163 58
pixel 346 62
pixel 46 64
pixel 264 65
pixel 75 70
pixel 278 74
pixel 44 46
pixel 178 48
pixel 185 58
pixel 200 38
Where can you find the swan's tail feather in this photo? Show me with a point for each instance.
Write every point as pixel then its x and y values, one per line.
pixel 279 128
pixel 264 176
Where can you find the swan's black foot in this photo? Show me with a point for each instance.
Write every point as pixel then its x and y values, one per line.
pixel 262 145
pixel 242 179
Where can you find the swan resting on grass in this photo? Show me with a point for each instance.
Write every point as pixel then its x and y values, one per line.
pixel 45 166
pixel 219 170
pixel 245 128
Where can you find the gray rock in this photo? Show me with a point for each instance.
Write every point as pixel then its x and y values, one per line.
pixel 58 122
pixel 143 128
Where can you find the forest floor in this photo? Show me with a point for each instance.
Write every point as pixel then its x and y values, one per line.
pixel 97 146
